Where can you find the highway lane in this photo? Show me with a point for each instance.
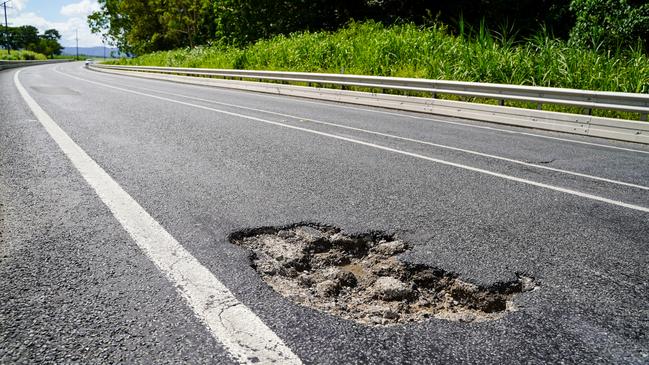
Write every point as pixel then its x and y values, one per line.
pixel 204 174
pixel 624 172
pixel 489 138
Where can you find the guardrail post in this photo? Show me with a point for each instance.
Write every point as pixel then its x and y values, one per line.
pixel 501 102
pixel 643 117
pixel 539 106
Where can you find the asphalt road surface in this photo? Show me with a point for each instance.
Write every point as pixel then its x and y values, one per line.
pixel 118 194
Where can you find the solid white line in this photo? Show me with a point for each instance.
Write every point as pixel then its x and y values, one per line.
pixel 230 322
pixel 501 158
pixel 384 148
pixel 340 105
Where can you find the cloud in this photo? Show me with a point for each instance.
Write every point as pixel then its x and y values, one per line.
pixel 67 29
pixel 17 5
pixel 14 7
pixel 82 8
pixel 76 14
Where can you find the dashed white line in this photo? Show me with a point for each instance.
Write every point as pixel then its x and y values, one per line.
pixel 230 322
pixel 380 147
pixel 405 115
pixel 392 136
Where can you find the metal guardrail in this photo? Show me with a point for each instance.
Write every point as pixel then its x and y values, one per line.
pixel 6 64
pixel 588 100
pixel 583 124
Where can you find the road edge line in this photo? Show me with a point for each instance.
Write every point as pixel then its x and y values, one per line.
pixel 230 322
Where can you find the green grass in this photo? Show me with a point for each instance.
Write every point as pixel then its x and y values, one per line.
pixel 426 52
pixel 21 55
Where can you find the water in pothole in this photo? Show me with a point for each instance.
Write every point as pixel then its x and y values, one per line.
pixel 360 278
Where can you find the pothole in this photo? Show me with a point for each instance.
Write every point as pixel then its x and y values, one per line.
pixel 360 277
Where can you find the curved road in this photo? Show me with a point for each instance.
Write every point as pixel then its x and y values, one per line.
pixel 118 194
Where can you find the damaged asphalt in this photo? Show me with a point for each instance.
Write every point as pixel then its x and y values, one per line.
pixel 361 278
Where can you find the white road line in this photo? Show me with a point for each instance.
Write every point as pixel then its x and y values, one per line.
pixel 501 158
pixel 480 127
pixel 379 111
pixel 384 148
pixel 230 322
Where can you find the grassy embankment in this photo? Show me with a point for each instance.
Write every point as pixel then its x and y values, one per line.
pixel 430 52
pixel 21 55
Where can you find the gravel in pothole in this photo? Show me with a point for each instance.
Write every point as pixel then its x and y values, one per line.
pixel 360 277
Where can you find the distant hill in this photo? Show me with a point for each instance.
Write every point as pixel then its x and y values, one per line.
pixel 91 51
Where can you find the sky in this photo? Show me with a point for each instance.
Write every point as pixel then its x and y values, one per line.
pixel 62 15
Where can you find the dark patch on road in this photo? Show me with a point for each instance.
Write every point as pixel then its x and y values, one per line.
pixel 359 277
pixel 541 162
pixel 54 90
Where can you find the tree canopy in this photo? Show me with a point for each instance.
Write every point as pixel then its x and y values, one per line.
pixel 27 37
pixel 142 26
pixel 148 25
pixel 610 24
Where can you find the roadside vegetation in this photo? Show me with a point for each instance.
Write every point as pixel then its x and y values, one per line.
pixel 583 44
pixel 408 50
pixel 26 38
pixel 21 55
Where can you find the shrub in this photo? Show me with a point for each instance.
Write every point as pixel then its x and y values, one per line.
pixel 610 25
pixel 21 55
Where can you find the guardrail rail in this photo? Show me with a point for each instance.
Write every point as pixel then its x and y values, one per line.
pixel 6 64
pixel 627 130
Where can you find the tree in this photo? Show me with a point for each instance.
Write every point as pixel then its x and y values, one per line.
pixel 48 47
pixel 46 43
pixel 27 37
pixel 23 36
pixel 241 22
pixel 524 17
pixel 113 23
pixel 186 22
pixel 610 24
pixel 51 34
pixel 140 26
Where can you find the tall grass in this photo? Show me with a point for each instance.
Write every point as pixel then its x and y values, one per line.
pixel 432 52
pixel 428 52
pixel 21 55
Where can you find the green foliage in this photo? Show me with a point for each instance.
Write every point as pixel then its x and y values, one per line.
pixel 609 24
pixel 21 37
pixel 27 37
pixel 21 55
pixel 408 50
pixel 187 22
pixel 140 26
pixel 49 47
pixel 525 16
pixel 51 34
pixel 47 43
pixel 242 22
pixel 112 26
